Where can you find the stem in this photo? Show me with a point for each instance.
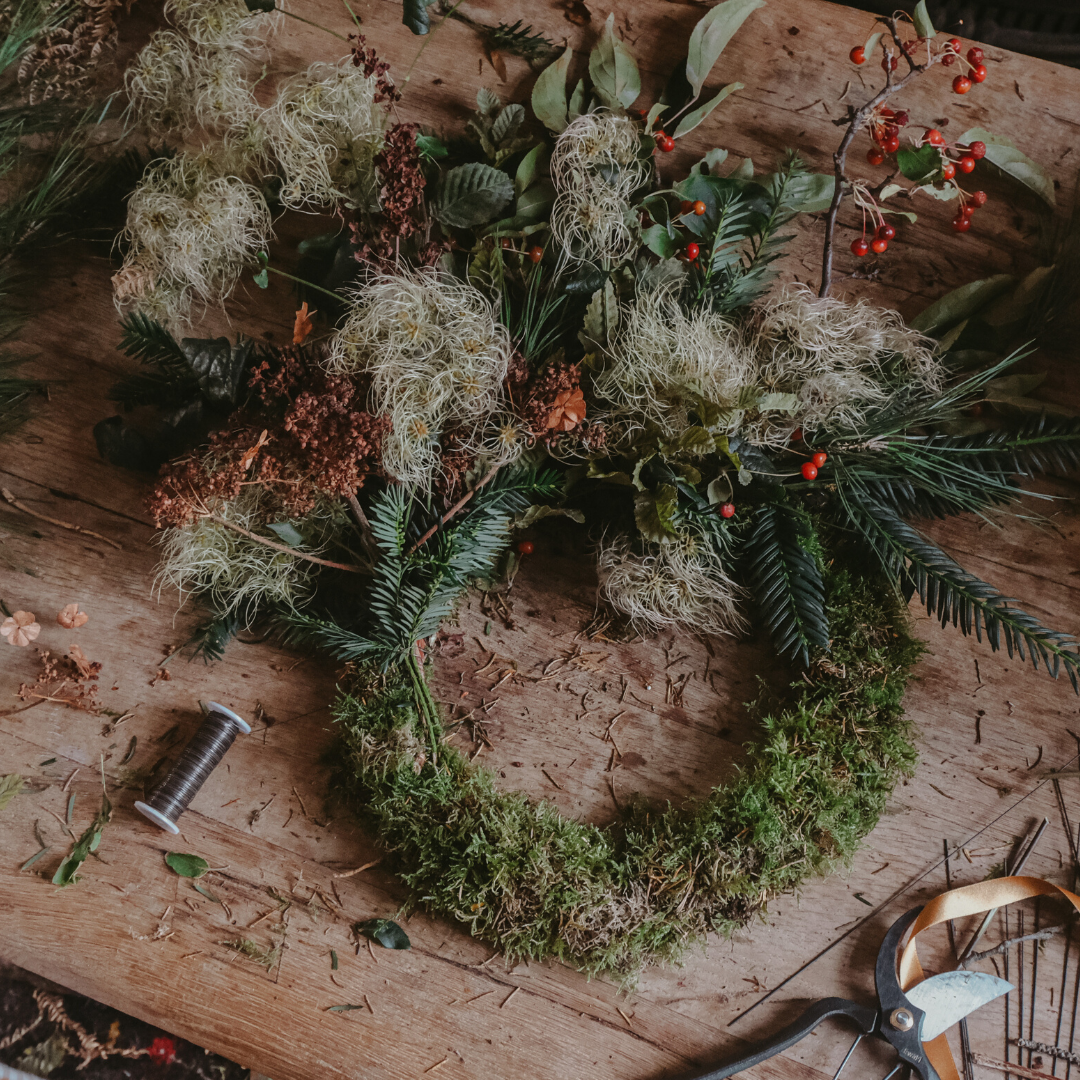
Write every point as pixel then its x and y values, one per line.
pixel 858 120
pixel 424 702
pixel 283 547
pixel 318 26
pixel 452 511
pixel 367 536
pixel 355 17
pixel 303 281
pixel 427 40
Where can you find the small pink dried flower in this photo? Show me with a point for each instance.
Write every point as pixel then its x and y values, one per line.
pixel 71 618
pixel 20 628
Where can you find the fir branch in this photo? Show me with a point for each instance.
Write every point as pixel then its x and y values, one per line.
pixel 785 579
pixel 170 383
pixel 211 637
pixel 952 594
pixel 345 645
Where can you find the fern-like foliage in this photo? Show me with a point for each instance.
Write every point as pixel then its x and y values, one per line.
pixel 169 380
pixel 414 591
pixel 519 40
pixel 211 637
pixel 785 580
pixel 952 594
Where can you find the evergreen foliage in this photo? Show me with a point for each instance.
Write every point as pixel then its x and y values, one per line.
pixel 785 579
pixel 211 637
pixel 169 381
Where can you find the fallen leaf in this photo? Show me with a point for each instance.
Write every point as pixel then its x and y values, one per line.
pixel 303 324
pixel 497 62
pixel 249 455
pixel 71 618
pixel 384 931
pixel 10 786
pixel 189 866
pixel 87 668
pixel 20 628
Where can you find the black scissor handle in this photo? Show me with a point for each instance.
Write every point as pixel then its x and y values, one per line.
pixel 865 1018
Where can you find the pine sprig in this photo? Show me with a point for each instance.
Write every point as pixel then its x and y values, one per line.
pixel 786 582
pixel 170 380
pixel 952 594
pixel 211 638
pixel 519 40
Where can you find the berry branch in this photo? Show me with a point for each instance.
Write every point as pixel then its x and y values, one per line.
pixel 857 119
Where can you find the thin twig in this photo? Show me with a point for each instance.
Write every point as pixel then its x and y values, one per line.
pixel 283 547
pixel 367 534
pixel 56 521
pixel 452 511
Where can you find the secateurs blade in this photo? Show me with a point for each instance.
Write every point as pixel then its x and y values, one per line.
pixel 905 1020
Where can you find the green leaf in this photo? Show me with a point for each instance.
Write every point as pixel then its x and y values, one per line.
pixel 919 164
pixel 262 278
pixel 415 15
pixel 602 315
pixel 810 193
pixel 659 242
pixel 710 162
pixel 1017 304
pixel 473 194
pixel 711 36
pixel 533 205
pixel 507 123
pixel 655 514
pixel 385 931
pixel 549 93
pixel 959 304
pixel 778 402
pixel 576 105
pixel 189 866
pixel 218 366
pixel 654 113
pixel 529 169
pixel 66 872
pixel 287 533
pixel 695 116
pixel 203 891
pixel 613 70
pixel 431 147
pixel 921 18
pixel 871 44
pixel 1010 160
pixel 344 1008
pixel 10 786
pixel 333 960
pixel 745 171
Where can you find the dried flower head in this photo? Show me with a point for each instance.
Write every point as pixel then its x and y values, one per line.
pixel 595 169
pixel 325 128
pixel 220 23
pixel 20 628
pixel 436 358
pixel 682 583
pixel 190 233
pixel 71 618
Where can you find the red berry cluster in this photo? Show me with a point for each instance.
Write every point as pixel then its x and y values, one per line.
pixel 885 127
pixel 954 158
pixel 665 142
pixel 810 468
pixel 976 72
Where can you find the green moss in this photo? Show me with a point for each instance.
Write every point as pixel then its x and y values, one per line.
pixel 520 875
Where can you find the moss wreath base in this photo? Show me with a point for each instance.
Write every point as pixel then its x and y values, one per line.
pixel 612 900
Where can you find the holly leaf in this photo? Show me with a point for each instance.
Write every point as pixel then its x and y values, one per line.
pixel 549 93
pixel 919 164
pixel 431 147
pixel 10 786
pixel 695 116
pixel 1010 160
pixel 189 866
pixel 711 36
pixel 473 194
pixel 613 70
pixel 921 18
pixel 384 931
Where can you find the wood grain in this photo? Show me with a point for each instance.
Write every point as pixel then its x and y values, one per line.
pixel 132 934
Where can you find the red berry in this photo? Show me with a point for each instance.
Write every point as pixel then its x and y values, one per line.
pixel 889 63
pixel 859 247
pixel 536 253
pixel 879 247
pixel 978 198
pixel 526 547
pixel 934 137
pixel 162 1051
pixel 885 113
pixel 809 470
pixel 796 435
pixel 967 210
pixel 858 55
pixel 955 44
pixel 978 73
pixel 891 144
pixel 666 143
pixel 886 231
pixel 875 156
pixel 977 150
pixel 699 208
pixel 966 163
pixel 948 170
pixel 901 119
pixel 728 509
pixel 819 459
pixel 961 84
pixel 961 223
pixel 692 251
pixel 975 56
pixel 506 242
pixel 948 60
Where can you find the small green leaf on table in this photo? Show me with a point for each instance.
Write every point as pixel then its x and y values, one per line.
pixel 333 960
pixel 10 786
pixel 205 892
pixel 1013 162
pixel 384 931
pixel 67 871
pixel 959 304
pixel 190 866
pixel 344 1008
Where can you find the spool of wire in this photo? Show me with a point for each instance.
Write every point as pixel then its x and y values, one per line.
pixel 201 756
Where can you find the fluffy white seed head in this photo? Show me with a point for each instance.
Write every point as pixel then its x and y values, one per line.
pixel 325 128
pixel 595 170
pixel 437 359
pixel 220 23
pixel 190 233
pixel 682 583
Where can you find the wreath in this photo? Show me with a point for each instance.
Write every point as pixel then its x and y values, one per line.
pixel 533 319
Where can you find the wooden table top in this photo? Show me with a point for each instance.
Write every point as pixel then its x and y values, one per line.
pixel 132 934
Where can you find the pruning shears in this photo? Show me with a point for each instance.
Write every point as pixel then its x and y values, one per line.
pixel 905 1020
